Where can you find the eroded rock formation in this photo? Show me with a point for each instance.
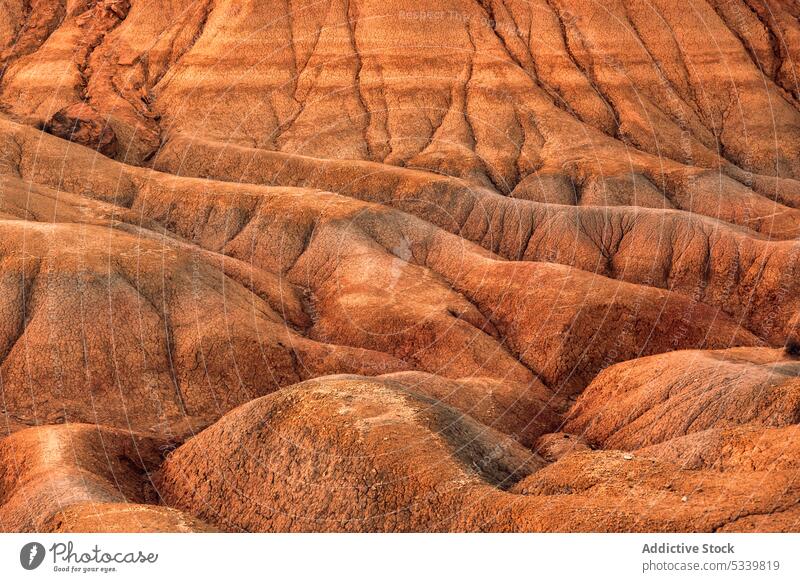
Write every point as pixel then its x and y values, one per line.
pixel 365 266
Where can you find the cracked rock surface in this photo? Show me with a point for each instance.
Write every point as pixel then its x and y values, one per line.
pixel 356 265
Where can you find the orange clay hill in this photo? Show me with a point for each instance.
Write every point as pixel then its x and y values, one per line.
pixel 356 265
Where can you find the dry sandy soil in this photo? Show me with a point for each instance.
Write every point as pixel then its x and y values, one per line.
pixel 357 265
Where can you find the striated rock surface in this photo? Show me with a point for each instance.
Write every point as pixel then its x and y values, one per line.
pixel 354 454
pixel 77 477
pixel 652 400
pixel 355 265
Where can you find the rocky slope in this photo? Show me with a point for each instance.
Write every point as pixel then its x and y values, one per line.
pixel 413 266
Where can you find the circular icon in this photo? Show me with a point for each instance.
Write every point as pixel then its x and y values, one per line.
pixel 31 555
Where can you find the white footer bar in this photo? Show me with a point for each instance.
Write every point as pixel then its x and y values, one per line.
pixel 388 557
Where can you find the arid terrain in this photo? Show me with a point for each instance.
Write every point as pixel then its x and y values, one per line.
pixel 424 265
